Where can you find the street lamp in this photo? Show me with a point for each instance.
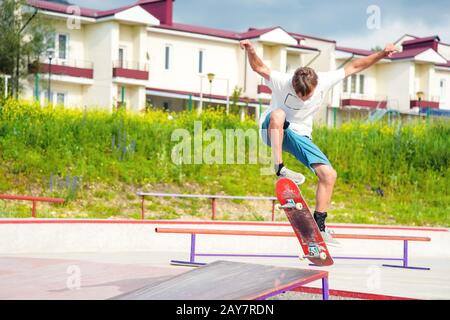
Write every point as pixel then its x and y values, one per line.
pixel 50 55
pixel 211 77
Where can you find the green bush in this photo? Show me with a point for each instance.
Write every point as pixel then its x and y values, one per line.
pixel 410 163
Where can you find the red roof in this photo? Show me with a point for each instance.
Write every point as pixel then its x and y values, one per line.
pixel 92 13
pixel 200 30
pixel 405 54
pixel 252 33
pixel 409 53
pixel 85 12
pixel 421 40
pixel 294 34
pixel 446 65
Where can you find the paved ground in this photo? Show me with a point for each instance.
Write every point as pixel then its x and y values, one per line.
pixel 64 259
pixel 106 275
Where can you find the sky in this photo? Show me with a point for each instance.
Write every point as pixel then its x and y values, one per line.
pixel 362 24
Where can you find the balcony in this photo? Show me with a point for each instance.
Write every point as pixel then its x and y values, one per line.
pixel 71 68
pixel 130 70
pixel 264 89
pixel 423 104
pixel 363 103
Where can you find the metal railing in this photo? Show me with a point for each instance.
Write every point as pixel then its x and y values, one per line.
pixel 213 199
pixel 33 200
pixel 81 64
pixel 130 65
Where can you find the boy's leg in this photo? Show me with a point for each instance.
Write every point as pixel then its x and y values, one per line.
pixel 276 133
pixel 327 178
pixel 312 157
pixel 276 125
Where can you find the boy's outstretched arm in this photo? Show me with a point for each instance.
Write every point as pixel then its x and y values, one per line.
pixel 364 63
pixel 255 62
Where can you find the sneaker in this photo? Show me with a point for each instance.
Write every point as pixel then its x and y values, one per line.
pixel 298 178
pixel 326 234
pixel 329 240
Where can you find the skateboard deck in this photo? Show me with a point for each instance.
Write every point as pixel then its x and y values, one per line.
pixel 303 223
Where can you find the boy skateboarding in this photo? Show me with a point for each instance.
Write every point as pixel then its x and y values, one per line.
pixel 287 124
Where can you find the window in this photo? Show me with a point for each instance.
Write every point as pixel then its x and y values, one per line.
pixel 354 83
pixel 62 46
pixel 361 83
pixel 345 85
pixel 200 61
pixel 59 42
pixel 60 99
pixel 167 58
pixel 121 57
pixel 166 106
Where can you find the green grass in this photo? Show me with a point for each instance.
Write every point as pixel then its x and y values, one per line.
pixel 116 154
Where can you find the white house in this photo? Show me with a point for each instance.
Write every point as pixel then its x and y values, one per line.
pixel 137 56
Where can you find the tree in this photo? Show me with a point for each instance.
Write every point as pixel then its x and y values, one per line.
pixel 235 97
pixel 22 39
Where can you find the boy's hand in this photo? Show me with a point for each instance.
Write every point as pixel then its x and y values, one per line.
pixel 390 49
pixel 247 45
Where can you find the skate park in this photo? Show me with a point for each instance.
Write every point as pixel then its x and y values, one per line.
pixel 94 259
pixel 136 161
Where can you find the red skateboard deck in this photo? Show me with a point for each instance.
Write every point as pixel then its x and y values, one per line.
pixel 303 223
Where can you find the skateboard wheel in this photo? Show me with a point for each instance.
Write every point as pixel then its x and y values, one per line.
pixel 277 207
pixel 299 206
pixel 323 256
pixel 301 257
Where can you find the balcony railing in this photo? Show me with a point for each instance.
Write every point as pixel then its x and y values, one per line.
pixel 421 104
pixel 131 70
pixel 72 68
pixel 363 103
pixel 264 89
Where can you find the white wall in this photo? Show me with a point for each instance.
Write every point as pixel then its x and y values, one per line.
pixel 102 39
pixel 220 58
pixel 444 50
pixel 395 80
pixel 99 43
pixel 445 98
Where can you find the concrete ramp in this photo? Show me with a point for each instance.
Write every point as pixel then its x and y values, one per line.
pixel 225 280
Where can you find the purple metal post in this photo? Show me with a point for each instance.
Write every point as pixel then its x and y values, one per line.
pixel 325 289
pixel 192 257
pixel 405 253
pixel 142 208
pixel 405 260
pixel 273 210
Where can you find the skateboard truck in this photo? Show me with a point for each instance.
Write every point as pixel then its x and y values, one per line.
pixel 290 204
pixel 321 256
pixel 314 252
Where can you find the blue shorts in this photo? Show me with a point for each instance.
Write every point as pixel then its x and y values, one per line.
pixel 301 147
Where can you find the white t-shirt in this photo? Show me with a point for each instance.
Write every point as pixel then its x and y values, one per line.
pixel 298 112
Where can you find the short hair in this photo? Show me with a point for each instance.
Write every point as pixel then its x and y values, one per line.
pixel 304 81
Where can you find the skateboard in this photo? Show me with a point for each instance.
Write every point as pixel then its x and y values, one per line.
pixel 303 223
